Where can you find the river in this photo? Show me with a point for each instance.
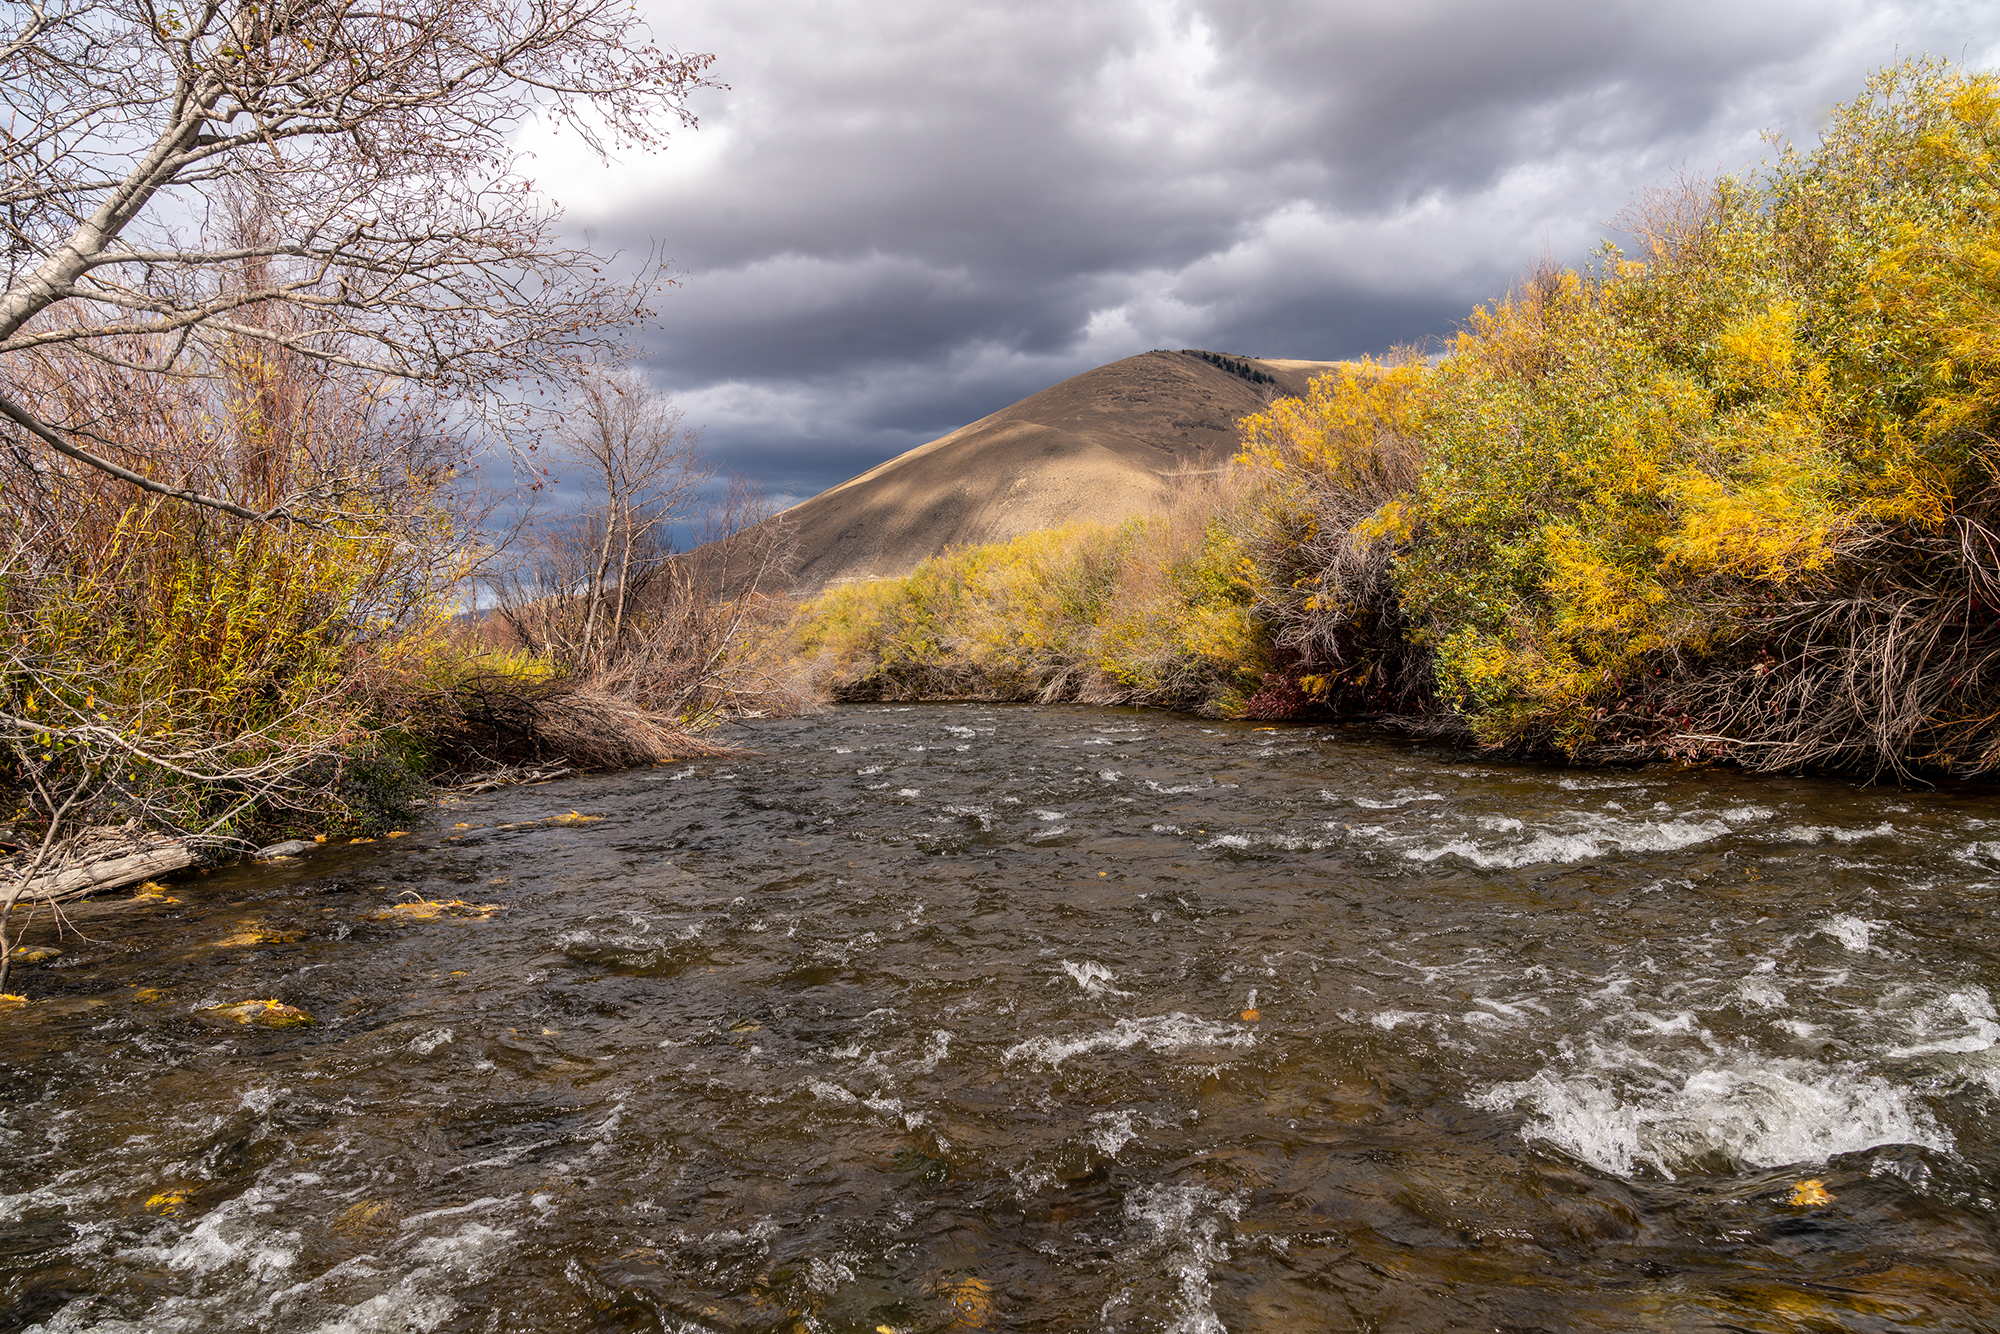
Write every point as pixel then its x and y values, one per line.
pixel 958 1017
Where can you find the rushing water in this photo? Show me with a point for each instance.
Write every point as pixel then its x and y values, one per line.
pixel 970 1018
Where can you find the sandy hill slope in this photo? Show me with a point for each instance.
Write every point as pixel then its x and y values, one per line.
pixel 1100 446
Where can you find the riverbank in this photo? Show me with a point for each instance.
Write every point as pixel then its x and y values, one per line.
pixel 101 859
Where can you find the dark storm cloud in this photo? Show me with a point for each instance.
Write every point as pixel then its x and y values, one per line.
pixel 898 219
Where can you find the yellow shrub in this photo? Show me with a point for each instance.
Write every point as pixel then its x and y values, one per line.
pixel 1155 610
pixel 1617 458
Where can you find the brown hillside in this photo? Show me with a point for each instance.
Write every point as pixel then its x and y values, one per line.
pixel 1100 446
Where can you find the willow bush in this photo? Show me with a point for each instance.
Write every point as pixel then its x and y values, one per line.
pixel 281 652
pixel 1732 494
pixel 1325 520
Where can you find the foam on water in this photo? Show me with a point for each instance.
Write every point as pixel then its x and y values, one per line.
pixel 1114 1131
pixel 406 1307
pixel 237 1233
pixel 1625 1114
pixel 1761 992
pixel 1395 801
pixel 1599 837
pixel 1253 842
pixel 1852 932
pixel 1981 854
pixel 1958 1023
pixel 1184 1232
pixel 1391 1020
pixel 1093 977
pixel 936 1049
pixel 1161 1033
pixel 241 1258
pixel 1803 833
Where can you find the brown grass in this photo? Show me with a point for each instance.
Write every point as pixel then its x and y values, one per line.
pixel 493 721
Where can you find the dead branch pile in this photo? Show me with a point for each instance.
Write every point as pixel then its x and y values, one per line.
pixel 1886 662
pixel 491 722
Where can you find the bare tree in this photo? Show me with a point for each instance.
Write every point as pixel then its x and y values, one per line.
pixel 269 257
pixel 373 140
pixel 646 469
pixel 582 575
pixel 633 621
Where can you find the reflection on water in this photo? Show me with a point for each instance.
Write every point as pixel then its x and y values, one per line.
pixel 962 1018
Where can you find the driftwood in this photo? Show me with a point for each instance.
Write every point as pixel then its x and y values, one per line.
pixel 509 776
pixel 104 858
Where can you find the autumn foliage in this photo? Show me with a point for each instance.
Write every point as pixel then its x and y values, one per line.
pixel 1730 494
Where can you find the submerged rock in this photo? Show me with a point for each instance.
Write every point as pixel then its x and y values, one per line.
pixel 970 1303
pixel 365 1218
pixel 263 1013
pixel 256 933
pixel 430 910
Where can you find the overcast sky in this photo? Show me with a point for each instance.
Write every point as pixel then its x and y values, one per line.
pixel 902 216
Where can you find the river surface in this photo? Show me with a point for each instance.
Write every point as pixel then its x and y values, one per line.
pixel 1056 1019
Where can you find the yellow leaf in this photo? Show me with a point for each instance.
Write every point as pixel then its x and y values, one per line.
pixel 366 1216
pixel 167 1203
pixel 255 934
pixel 1810 1194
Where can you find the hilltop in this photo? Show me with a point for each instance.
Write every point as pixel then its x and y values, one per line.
pixel 1100 446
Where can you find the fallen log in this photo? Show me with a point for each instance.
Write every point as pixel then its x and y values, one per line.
pixel 107 859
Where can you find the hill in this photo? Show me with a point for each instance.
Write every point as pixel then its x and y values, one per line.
pixel 1102 445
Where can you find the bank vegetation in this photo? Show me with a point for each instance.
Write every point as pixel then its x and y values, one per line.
pixel 274 279
pixel 1731 493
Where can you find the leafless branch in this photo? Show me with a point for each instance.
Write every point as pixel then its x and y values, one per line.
pixel 371 144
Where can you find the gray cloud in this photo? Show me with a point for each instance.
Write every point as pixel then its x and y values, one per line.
pixel 899 218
